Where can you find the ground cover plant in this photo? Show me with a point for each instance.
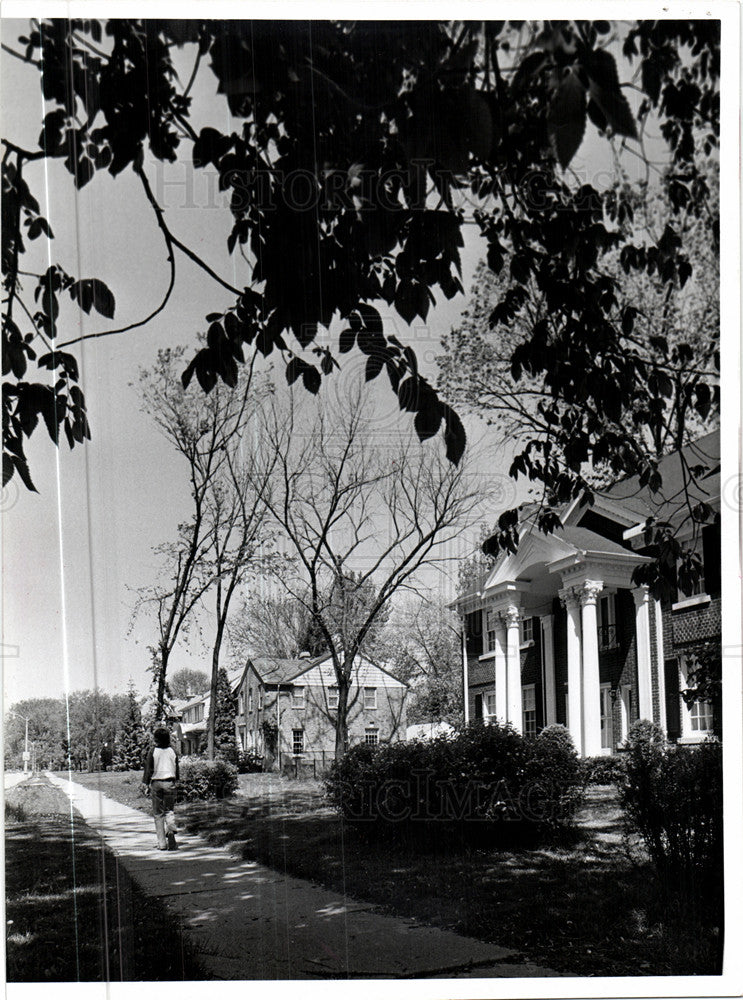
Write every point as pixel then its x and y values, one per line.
pixel 72 913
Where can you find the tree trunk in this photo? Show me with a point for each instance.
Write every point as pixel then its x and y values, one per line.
pixel 341 719
pixel 213 692
pixel 161 677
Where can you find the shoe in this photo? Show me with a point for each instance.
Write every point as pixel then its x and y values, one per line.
pixel 172 846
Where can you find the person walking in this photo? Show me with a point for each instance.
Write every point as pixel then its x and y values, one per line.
pixel 160 777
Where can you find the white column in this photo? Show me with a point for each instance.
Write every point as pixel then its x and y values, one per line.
pixel 465 673
pixel 499 665
pixel 548 669
pixel 591 687
pixel 512 619
pixel 571 600
pixel 642 627
pixel 661 657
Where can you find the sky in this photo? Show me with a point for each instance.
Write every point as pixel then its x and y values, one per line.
pixel 75 552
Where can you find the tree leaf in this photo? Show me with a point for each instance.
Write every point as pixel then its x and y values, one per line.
pixel 606 92
pixel 294 369
pixel 406 300
pixel 566 120
pixel 374 365
pixel 23 472
pixel 454 435
pixel 312 379
pixel 93 293
pixel 428 419
pixel 346 340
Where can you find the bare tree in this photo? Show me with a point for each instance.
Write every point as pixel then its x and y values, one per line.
pixel 237 537
pixel 373 514
pixel 205 430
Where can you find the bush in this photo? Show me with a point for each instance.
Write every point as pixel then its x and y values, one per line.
pixel 206 779
pixel 555 777
pixel 608 770
pixel 249 762
pixel 672 797
pixel 478 782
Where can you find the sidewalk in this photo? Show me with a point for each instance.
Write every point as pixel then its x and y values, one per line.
pixel 247 921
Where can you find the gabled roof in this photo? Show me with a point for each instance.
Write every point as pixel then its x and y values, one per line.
pixel 585 540
pixel 273 670
pixel 642 503
pixel 276 670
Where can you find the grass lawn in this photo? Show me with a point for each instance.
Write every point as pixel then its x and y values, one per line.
pixel 72 913
pixel 588 907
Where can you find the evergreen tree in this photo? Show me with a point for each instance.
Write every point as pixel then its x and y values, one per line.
pixel 130 740
pixel 225 736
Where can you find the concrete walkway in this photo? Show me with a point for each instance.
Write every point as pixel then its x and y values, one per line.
pixel 246 921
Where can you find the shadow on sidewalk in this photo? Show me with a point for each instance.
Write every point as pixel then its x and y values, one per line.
pixel 74 915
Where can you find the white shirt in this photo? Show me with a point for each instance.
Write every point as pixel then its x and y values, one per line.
pixel 163 763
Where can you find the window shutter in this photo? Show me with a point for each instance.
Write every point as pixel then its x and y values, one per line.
pixel 478 706
pixel 711 554
pixel 673 706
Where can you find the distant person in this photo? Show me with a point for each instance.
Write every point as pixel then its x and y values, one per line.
pixel 160 777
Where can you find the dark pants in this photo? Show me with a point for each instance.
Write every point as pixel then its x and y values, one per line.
pixel 162 793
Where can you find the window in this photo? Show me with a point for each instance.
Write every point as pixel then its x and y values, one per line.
pixel 260 698
pixel 607 621
pixel 298 697
pixel 490 705
pixel 491 622
pixel 297 741
pixel 370 697
pixel 529 708
pixel 607 729
pixel 333 696
pixel 371 737
pixel 240 703
pixel 527 630
pixel 250 700
pixel 701 717
pixel 696 719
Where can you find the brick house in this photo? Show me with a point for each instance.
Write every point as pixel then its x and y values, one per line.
pixel 559 633
pixel 299 697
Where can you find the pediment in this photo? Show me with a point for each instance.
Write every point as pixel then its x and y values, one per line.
pixel 535 550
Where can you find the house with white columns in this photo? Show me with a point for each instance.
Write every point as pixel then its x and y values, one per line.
pixel 558 632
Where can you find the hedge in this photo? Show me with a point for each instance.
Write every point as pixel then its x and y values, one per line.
pixel 206 779
pixel 484 780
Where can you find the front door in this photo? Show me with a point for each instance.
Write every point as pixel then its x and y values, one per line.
pixel 606 723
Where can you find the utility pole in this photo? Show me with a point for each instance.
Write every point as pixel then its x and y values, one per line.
pixel 26 754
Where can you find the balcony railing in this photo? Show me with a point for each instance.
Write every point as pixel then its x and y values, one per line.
pixel 608 636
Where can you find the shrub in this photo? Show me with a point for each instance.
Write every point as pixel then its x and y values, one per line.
pixel 607 770
pixel 673 798
pixel 249 762
pixel 473 783
pixel 554 788
pixel 206 779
